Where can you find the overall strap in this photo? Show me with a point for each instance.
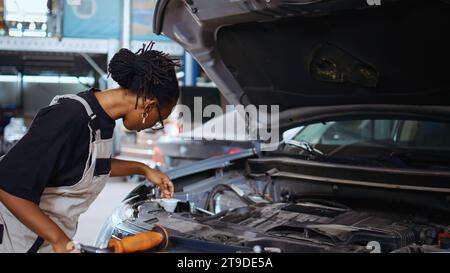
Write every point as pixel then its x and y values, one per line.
pixel 93 123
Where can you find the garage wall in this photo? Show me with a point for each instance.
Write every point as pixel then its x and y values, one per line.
pixel 36 95
pixel 8 93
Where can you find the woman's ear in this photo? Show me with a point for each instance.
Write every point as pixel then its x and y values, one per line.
pixel 149 104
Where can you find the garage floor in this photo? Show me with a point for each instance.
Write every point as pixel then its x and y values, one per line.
pixel 91 222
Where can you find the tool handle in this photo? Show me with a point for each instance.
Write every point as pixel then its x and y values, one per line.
pixel 139 242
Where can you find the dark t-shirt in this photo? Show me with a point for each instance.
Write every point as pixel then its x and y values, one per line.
pixel 55 149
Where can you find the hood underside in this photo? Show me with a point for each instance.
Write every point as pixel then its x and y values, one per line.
pixel 316 53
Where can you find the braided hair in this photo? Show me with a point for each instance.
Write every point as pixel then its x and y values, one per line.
pixel 148 73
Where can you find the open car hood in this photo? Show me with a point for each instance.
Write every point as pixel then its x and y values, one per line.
pixel 316 53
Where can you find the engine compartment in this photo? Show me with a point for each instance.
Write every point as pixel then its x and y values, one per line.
pixel 304 226
pixel 236 212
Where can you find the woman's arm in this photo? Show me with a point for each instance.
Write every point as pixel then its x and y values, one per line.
pixel 36 220
pixel 125 168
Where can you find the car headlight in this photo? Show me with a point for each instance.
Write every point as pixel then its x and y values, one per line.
pixel 119 215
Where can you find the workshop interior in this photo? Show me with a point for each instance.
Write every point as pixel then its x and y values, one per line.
pixel 104 141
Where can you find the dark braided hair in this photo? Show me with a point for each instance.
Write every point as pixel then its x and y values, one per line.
pixel 148 73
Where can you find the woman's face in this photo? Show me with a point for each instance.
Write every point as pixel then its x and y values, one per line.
pixel 134 119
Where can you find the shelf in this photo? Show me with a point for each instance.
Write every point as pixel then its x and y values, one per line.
pixel 76 45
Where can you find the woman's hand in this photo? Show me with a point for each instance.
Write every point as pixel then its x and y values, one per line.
pixel 125 167
pixel 65 247
pixel 161 180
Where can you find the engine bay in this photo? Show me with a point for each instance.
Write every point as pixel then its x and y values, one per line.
pixel 258 214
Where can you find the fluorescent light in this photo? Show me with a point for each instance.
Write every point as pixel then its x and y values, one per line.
pixel 87 80
pixel 41 79
pixel 49 79
pixel 9 78
pixel 75 80
pixel 68 79
pixel 59 79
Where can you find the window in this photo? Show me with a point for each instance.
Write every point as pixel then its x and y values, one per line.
pixel 375 142
pixel 395 133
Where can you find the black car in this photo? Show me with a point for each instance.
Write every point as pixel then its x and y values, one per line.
pixel 369 171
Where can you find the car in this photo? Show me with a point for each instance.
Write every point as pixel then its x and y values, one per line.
pixel 369 168
pixel 200 143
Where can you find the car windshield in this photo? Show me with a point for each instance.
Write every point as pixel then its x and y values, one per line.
pixel 380 142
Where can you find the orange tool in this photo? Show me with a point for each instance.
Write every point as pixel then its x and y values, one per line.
pixel 157 238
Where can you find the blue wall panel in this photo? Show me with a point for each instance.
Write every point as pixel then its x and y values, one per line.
pixel 93 19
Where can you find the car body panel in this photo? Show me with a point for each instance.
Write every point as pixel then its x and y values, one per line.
pixel 198 27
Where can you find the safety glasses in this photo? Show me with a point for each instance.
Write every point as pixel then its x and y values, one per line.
pixel 160 124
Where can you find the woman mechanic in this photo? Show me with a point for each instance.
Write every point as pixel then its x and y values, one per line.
pixel 58 168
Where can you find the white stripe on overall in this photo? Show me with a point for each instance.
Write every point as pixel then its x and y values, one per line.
pixel 62 204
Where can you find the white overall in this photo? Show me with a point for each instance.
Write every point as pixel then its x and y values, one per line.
pixel 64 204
